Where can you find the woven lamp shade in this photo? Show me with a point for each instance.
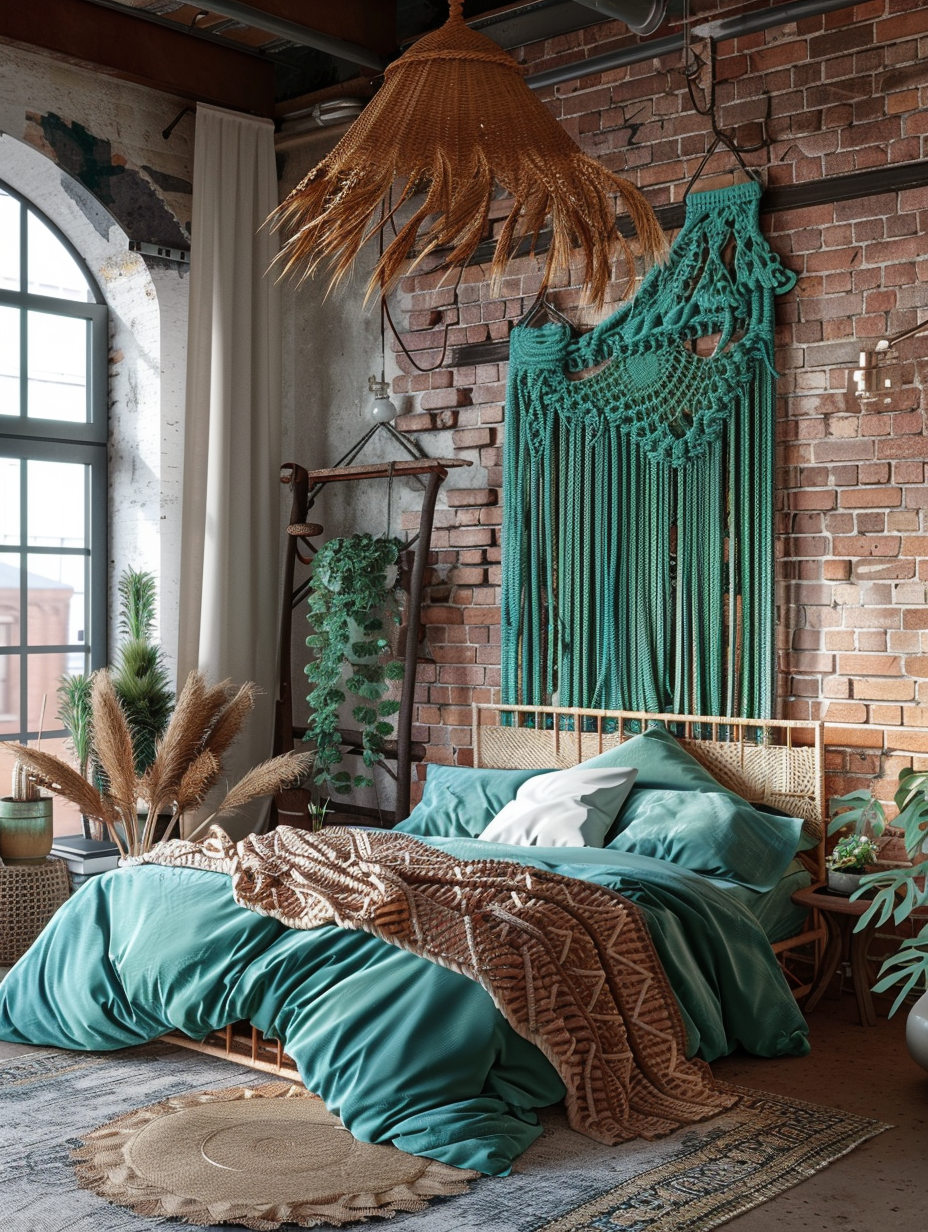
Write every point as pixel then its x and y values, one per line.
pixel 453 119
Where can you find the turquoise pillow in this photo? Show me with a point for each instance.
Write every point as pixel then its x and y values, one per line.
pixel 460 802
pixel 711 832
pixel 662 762
pixel 669 817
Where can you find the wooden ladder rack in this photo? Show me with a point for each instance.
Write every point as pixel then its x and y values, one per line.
pixel 305 486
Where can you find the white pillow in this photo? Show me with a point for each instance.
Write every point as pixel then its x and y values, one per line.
pixel 569 808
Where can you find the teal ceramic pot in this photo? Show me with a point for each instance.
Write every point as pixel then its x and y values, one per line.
pixel 25 830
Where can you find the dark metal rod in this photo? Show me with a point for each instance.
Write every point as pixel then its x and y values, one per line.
pixel 404 719
pixel 727 28
pixel 260 19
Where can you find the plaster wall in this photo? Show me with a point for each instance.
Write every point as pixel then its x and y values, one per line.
pixel 88 151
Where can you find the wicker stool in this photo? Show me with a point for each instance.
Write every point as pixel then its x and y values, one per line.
pixel 30 894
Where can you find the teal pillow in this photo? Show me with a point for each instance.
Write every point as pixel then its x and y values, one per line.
pixel 662 762
pixel 722 837
pixel 711 832
pixel 460 802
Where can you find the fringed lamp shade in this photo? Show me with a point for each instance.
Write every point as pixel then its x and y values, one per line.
pixel 453 119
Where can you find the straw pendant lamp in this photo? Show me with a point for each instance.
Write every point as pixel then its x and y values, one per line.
pixel 453 119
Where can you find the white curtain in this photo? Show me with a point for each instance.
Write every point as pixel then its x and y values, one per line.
pixel 229 583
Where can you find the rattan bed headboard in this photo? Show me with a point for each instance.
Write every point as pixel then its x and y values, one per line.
pixel 768 761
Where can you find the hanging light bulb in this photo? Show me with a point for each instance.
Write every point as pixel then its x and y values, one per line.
pixel 380 408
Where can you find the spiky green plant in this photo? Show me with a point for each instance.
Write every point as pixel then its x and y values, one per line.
pixel 140 679
pixel 75 713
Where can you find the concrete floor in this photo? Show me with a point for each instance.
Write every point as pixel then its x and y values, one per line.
pixel 879 1186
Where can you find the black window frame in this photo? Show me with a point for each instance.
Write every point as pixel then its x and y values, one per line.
pixel 53 440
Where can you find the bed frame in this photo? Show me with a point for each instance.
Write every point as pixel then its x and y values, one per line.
pixel 768 761
pixel 779 762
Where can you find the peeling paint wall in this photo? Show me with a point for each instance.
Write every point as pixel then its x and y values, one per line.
pixel 88 151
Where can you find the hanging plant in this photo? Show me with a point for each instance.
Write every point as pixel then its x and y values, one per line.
pixel 353 590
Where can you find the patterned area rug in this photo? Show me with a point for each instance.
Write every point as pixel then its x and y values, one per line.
pixel 690 1182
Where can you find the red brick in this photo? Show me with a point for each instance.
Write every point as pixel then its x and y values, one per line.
pixel 442 399
pixel 884 690
pixel 869 665
pixel 472 438
pixel 470 538
pixel 837 570
pixel 460 497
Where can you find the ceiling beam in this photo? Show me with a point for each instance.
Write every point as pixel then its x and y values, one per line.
pixel 353 30
pixel 151 53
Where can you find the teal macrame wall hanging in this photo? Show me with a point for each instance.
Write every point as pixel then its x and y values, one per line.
pixel 638 486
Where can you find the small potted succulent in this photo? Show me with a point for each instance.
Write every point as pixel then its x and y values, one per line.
pixel 849 861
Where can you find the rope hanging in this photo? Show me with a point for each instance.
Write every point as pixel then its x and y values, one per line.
pixel 638 521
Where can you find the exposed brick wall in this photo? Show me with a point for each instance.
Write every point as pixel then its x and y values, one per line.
pixel 846 91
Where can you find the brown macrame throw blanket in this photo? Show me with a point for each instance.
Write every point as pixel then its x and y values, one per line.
pixel 569 964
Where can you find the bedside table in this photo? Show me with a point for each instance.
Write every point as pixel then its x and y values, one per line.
pixel 30 894
pixel 840 916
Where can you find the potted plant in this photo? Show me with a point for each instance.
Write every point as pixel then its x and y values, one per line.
pixel 186 766
pixel 897 894
pixel 352 592
pixel 26 825
pixel 851 858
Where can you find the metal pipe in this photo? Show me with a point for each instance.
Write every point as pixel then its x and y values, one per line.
pixel 641 16
pixel 726 28
pixel 295 33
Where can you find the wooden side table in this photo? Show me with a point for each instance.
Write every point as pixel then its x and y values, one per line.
pixel 840 916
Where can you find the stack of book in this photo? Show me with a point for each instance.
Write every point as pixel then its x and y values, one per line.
pixel 85 857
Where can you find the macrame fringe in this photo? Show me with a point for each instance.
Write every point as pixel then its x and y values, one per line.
pixel 638 521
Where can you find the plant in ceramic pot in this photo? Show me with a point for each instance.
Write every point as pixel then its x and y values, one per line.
pixel 26 822
pixel 851 858
pixel 353 592
pixel 898 893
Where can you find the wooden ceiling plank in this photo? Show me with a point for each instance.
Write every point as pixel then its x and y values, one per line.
pixel 128 46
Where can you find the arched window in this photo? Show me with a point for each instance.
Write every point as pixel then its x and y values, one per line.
pixel 53 434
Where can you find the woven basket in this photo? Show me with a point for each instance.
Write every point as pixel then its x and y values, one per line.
pixel 29 897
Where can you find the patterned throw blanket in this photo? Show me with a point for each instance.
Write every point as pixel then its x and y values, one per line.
pixel 569 964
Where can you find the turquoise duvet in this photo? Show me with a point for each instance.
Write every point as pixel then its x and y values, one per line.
pixel 403 1050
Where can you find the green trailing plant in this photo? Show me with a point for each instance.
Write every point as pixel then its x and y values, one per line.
pixel 897 892
pixel 353 592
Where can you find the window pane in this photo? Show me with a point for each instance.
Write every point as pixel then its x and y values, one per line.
pixel 9 501
pixel 9 685
pixel 9 360
pixel 55 503
pixel 55 612
pixel 66 816
pixel 52 269
pixel 9 242
pixel 43 672
pixel 57 367
pixel 9 600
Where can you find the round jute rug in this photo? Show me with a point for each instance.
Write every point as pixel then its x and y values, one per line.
pixel 256 1156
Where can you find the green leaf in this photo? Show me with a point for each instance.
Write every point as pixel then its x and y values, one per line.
pixel 364 714
pixel 383 729
pixel 394 670
pixel 361 780
pixel 387 708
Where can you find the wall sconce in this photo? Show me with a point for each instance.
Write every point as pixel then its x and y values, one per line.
pixel 878 371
